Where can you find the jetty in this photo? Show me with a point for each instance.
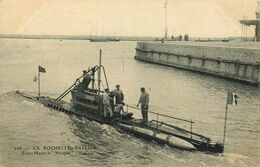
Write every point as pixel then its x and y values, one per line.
pixel 238 61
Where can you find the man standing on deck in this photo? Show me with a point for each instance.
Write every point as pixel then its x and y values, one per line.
pixel 144 100
pixel 118 93
pixel 86 80
pixel 106 103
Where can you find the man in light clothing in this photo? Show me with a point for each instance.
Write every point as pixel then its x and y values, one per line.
pixel 106 103
pixel 144 100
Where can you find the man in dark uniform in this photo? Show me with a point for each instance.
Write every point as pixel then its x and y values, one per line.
pixel 119 96
pixel 86 80
pixel 144 100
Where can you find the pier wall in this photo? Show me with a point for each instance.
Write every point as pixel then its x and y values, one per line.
pixel 236 63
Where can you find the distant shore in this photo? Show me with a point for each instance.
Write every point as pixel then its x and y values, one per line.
pixel 121 38
pixel 76 37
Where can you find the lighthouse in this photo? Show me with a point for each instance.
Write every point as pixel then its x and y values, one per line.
pixel 254 22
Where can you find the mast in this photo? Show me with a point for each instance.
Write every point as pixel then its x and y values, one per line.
pixel 231 98
pixel 102 31
pixel 99 70
pixel 225 126
pixel 165 26
pixel 39 83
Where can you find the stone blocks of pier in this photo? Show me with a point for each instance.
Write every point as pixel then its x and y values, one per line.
pixel 236 62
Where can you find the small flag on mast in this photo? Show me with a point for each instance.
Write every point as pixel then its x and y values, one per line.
pixel 232 98
pixel 41 69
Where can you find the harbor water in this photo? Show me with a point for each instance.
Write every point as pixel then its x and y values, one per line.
pixel 27 126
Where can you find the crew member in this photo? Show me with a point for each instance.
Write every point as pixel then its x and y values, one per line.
pixel 86 80
pixel 144 100
pixel 106 102
pixel 119 96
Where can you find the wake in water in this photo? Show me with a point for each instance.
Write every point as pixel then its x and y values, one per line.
pixel 27 123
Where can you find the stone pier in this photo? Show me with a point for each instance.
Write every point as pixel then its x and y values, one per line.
pixel 234 61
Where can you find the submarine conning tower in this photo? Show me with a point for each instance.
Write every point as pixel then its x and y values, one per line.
pixel 255 22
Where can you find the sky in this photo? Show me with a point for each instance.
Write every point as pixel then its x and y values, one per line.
pixel 198 18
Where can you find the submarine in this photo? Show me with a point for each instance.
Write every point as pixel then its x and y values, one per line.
pixel 87 101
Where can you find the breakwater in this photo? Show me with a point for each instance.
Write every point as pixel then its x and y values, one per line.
pixel 75 37
pixel 235 62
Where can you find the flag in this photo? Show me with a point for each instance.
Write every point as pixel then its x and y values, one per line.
pixel 165 4
pixel 231 98
pixel 41 69
pixel 35 78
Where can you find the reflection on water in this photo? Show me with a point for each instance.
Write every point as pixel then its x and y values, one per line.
pixel 172 91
